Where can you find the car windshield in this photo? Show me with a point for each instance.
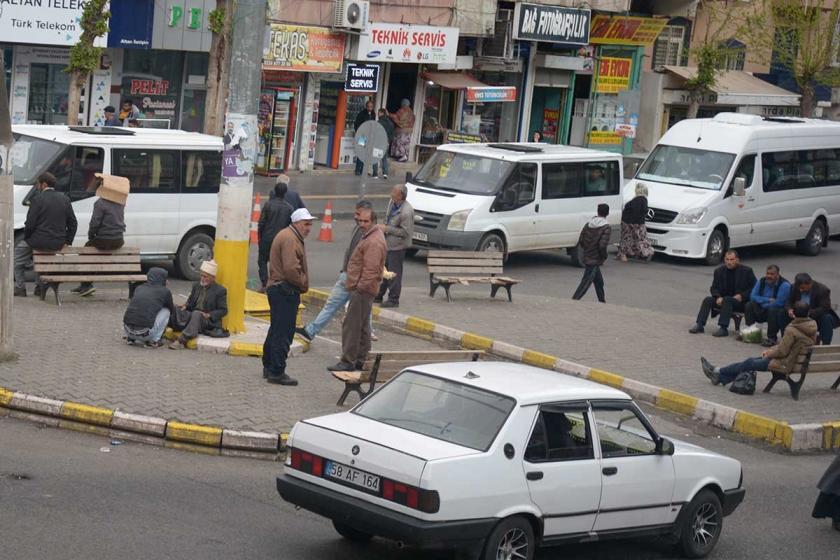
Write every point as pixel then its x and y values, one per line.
pixel 463 173
pixel 440 409
pixel 687 167
pixel 30 156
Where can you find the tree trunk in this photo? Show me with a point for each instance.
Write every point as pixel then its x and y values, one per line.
pixel 808 101
pixel 218 74
pixel 74 97
pixel 693 108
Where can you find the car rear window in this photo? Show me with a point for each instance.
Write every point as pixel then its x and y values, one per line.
pixel 440 409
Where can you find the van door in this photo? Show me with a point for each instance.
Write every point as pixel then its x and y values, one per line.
pixel 515 207
pixel 151 213
pixel 740 211
pixel 75 176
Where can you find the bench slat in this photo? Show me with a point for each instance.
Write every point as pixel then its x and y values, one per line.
pixel 463 262
pixel 824 367
pixel 464 254
pixel 465 270
pixel 822 350
pixel 90 268
pixel 81 259
pixel 91 251
pixel 94 278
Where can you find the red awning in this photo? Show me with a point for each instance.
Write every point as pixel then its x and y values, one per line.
pixel 453 80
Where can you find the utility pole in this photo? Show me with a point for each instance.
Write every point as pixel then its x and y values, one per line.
pixel 232 230
pixel 7 234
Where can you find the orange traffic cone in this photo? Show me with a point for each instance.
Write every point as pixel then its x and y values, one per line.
pixel 255 219
pixel 326 225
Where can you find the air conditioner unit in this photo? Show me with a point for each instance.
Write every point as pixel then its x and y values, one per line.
pixel 351 14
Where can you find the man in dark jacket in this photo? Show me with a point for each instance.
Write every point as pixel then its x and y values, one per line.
pixel 204 310
pixel 594 240
pixel 389 126
pixel 292 196
pixel 276 215
pixel 365 115
pixel 730 291
pixel 50 225
pixel 148 310
pixel 818 297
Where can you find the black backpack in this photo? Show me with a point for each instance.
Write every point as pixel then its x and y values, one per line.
pixel 744 384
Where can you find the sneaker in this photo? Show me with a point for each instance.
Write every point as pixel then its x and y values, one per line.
pixel 302 332
pixel 177 345
pixel 721 332
pixel 20 292
pixel 373 337
pixel 78 289
pixel 697 328
pixel 384 177
pixel 738 336
pixel 154 344
pixel 770 342
pixel 282 379
pixel 709 371
pixel 341 366
pixel 390 303
pixel 87 291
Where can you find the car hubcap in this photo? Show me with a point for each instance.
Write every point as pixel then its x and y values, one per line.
pixel 513 546
pixel 199 253
pixel 816 237
pixel 716 247
pixel 492 245
pixel 705 525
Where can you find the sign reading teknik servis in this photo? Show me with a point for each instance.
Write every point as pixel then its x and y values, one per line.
pixel 42 22
pixel 552 24
pixel 420 44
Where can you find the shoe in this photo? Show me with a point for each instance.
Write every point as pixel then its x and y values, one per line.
pixel 177 345
pixel 738 336
pixel 359 366
pixel 377 299
pixel 373 337
pixel 87 291
pixel 390 303
pixel 709 371
pixel 302 332
pixel 770 342
pixel 281 379
pixel 721 332
pixel 78 289
pixel 154 344
pixel 20 292
pixel 384 177
pixel 341 366
pixel 697 328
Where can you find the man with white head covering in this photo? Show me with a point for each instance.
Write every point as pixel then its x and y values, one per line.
pixel 204 310
pixel 291 196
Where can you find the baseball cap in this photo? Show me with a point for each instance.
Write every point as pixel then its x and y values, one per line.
pixel 301 214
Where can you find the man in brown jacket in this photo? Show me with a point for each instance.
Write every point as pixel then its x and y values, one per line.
pixel 364 274
pixel 799 335
pixel 288 277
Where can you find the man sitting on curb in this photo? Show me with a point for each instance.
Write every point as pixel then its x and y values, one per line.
pixel 767 304
pixel 730 292
pixel 204 310
pixel 799 335
pixel 818 297
pixel 148 310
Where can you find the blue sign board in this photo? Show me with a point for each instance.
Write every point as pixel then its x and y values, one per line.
pixel 131 24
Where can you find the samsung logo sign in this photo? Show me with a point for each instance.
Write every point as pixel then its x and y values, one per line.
pixel 374 54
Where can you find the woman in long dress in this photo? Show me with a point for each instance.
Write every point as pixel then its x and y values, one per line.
pixel 828 502
pixel 634 241
pixel 404 119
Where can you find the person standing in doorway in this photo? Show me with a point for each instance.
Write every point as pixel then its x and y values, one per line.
pixel 593 241
pixel 386 122
pixel 398 229
pixel 365 115
pixel 404 119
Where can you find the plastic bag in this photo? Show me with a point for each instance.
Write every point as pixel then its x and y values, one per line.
pixel 744 384
pixel 751 334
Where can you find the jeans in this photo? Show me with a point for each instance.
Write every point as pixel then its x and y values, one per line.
pixel 284 301
pixel 394 263
pixel 775 317
pixel 826 325
pixel 337 298
pixel 23 262
pixel 729 305
pixel 156 332
pixel 730 372
pixel 592 275
pixel 384 166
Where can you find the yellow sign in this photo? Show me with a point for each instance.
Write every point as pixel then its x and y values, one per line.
pixel 304 49
pixel 625 30
pixel 613 74
pixel 603 138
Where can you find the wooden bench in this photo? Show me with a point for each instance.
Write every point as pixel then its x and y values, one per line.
pixel 817 359
pixel 467 267
pixel 382 366
pixel 88 264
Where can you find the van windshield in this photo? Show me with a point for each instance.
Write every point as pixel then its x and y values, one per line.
pixel 687 167
pixel 31 156
pixel 469 174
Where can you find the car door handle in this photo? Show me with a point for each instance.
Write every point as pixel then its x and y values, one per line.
pixel 751 199
pixel 609 471
pixel 534 475
pixel 538 208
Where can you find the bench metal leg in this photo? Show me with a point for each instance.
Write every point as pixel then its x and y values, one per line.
pixel 350 388
pixel 446 289
pixel 495 288
pixel 433 286
pixel 54 287
pixel 776 377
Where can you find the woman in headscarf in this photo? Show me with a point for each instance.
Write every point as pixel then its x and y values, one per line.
pixel 634 241
pixel 404 119
pixel 828 502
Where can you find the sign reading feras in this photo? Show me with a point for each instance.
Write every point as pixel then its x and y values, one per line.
pixel 420 44
pixel 551 24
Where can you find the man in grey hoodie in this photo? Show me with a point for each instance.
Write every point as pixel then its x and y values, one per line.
pixel 593 241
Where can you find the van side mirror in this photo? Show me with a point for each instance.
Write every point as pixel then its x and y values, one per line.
pixel 664 446
pixel 408 176
pixel 27 200
pixel 739 186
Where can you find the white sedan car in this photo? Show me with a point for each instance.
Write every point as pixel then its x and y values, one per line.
pixel 498 459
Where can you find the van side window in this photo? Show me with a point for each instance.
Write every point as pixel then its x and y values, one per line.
pixel 148 171
pixel 569 180
pixel 560 180
pixel 518 190
pixel 802 169
pixel 746 170
pixel 600 178
pixel 89 162
pixel 202 171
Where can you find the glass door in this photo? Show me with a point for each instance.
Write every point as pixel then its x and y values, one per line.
pixel 48 87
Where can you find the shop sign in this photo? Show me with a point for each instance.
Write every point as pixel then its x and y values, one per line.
pixel 551 121
pixel 181 25
pixel 453 137
pixel 625 30
pixel 421 44
pixel 625 130
pixel 130 25
pixel 613 75
pixel 491 94
pixel 551 24
pixel 304 49
pixel 362 78
pixel 604 138
pixel 149 87
pixel 43 22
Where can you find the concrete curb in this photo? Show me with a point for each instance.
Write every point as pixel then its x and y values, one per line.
pixel 792 437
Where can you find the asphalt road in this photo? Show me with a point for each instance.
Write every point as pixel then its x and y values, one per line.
pixel 63 497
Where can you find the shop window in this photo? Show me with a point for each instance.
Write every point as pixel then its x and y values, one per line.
pixel 202 171
pixel 734 54
pixel 6 52
pixel 148 171
pixel 153 81
pixel 669 47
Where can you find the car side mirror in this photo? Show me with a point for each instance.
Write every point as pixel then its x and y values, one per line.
pixel 664 446
pixel 739 186
pixel 27 200
pixel 408 176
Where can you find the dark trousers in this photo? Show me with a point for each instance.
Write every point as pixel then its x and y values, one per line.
pixel 355 331
pixel 394 263
pixel 190 323
pixel 826 325
pixel 360 167
pixel 262 263
pixel 283 300
pixel 730 372
pixel 729 305
pixel 775 317
pixel 591 275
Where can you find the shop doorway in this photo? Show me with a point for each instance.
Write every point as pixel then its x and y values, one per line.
pixel 48 87
pixel 548 114
pixel 402 83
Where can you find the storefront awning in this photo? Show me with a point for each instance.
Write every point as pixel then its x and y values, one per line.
pixel 453 80
pixel 735 87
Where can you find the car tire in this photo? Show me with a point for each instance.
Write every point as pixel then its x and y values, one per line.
pixel 701 525
pixel 511 535
pixel 493 242
pixel 576 255
pixel 716 248
pixel 813 242
pixel 350 533
pixel 195 249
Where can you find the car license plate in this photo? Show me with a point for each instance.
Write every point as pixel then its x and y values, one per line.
pixel 420 236
pixel 352 476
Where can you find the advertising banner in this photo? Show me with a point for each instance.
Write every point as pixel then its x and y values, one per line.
pixel 56 22
pixel 361 78
pixel 491 94
pixel 613 75
pixel 603 138
pixel 304 49
pixel 420 44
pixel 130 26
pixel 551 24
pixel 625 30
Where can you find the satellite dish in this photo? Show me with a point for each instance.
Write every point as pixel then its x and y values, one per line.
pixel 370 143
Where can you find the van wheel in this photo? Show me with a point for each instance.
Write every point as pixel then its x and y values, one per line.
pixel 492 242
pixel 813 242
pixel 701 525
pixel 715 248
pixel 512 539
pixel 194 250
pixel 576 254
pixel 350 533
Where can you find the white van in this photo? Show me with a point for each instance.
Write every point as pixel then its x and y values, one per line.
pixel 737 180
pixel 511 197
pixel 174 176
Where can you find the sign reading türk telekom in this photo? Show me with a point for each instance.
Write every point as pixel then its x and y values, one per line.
pixel 421 44
pixel 42 22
